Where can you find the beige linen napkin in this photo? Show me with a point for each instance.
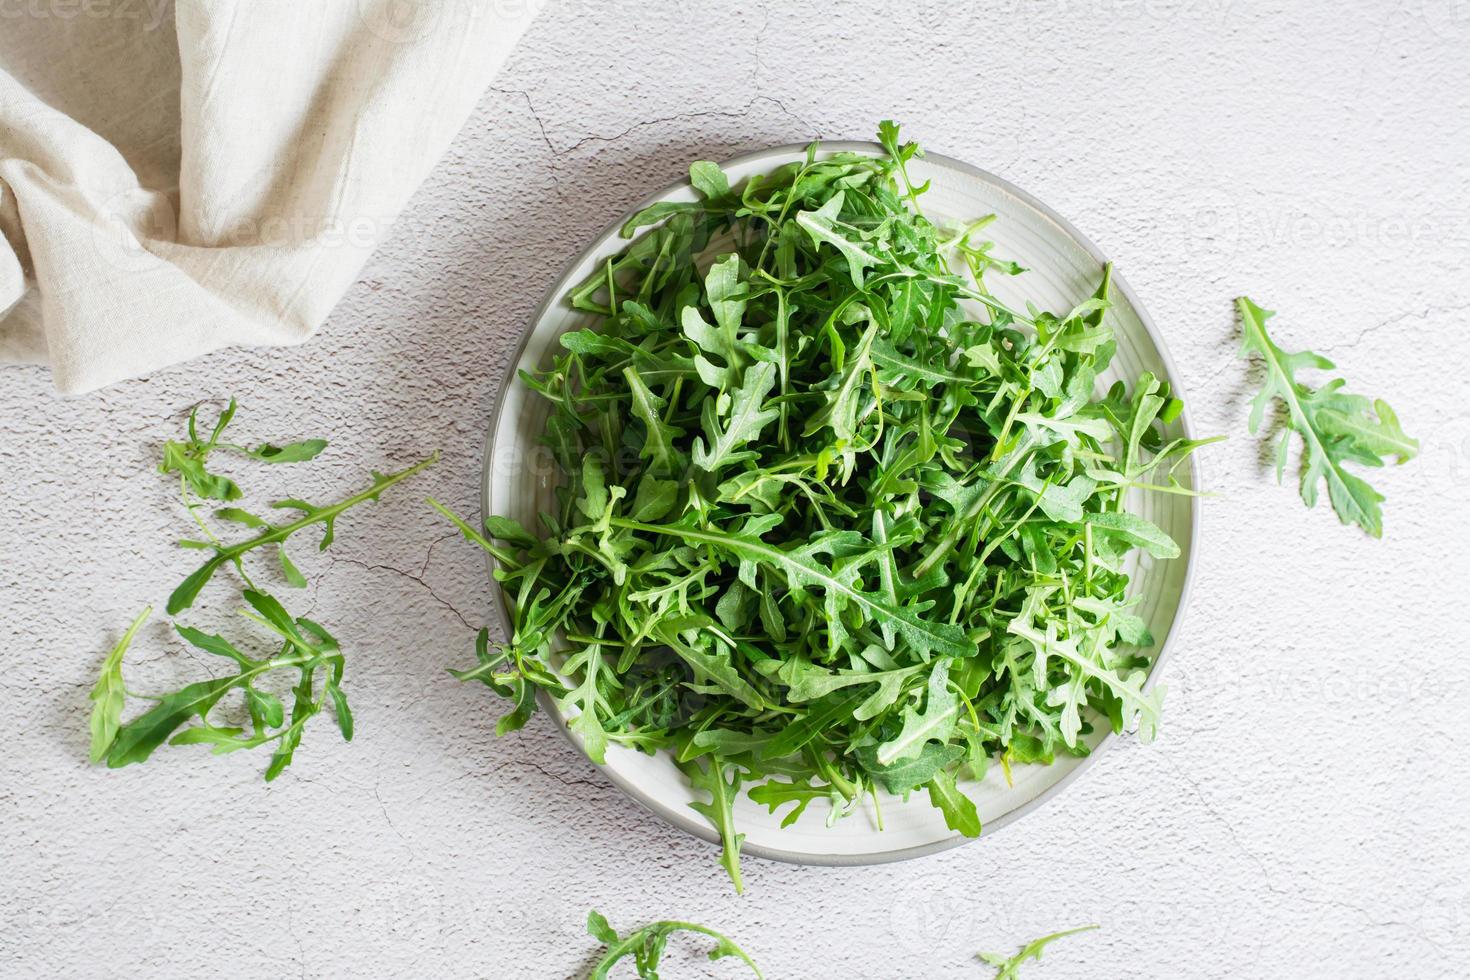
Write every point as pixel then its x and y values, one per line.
pixel 179 178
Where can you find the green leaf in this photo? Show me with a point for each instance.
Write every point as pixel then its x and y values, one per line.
pixel 598 929
pixel 137 739
pixel 774 794
pixel 820 716
pixel 901 777
pixel 719 811
pixel 655 498
pixel 958 809
pixel 274 614
pixel 185 460
pixel 294 578
pixel 1008 967
pixel 722 741
pixel 1334 427
pixel 220 424
pixel 658 444
pixel 825 229
pixel 188 590
pixel 303 708
pixel 934 722
pixel 189 458
pixel 714 664
pixel 1135 532
pixel 714 341
pixel 746 418
pixel 709 180
pixel 587 701
pixel 504 529
pixel 212 643
pixel 841 411
pixel 341 709
pixel 1064 504
pixel 293 452
pixel 270 708
pixel 109 694
pixel 237 516
pixel 725 292
pixel 1377 432
pixel 222 740
pixel 655 213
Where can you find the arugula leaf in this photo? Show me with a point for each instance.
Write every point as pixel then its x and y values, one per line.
pixel 109 694
pixel 188 462
pixel 936 722
pixel 293 452
pixel 745 421
pixel 774 794
pixel 1008 967
pixel 1135 532
pixel 958 809
pixel 824 228
pixel 720 809
pixel 137 739
pixel 587 702
pixel 646 946
pixel 909 774
pixel 709 180
pixel 658 442
pixel 1335 427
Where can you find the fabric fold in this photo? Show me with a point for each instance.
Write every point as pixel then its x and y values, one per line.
pixel 292 137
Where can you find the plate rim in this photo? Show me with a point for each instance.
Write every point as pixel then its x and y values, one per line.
pixel 688 822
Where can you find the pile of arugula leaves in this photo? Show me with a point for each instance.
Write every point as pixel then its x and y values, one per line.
pixel 834 518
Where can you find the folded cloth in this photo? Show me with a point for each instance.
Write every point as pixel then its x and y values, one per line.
pixel 177 178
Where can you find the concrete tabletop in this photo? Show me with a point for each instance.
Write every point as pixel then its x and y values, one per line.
pixel 1306 809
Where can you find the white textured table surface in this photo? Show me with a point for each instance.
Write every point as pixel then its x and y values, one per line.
pixel 1306 810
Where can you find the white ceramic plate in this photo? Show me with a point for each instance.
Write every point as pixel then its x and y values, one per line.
pixel 1063 269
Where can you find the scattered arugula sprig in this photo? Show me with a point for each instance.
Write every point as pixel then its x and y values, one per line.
pixel 833 516
pixel 277 534
pixel 646 946
pixel 303 646
pixel 190 460
pixel 306 647
pixel 1008 967
pixel 1335 427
